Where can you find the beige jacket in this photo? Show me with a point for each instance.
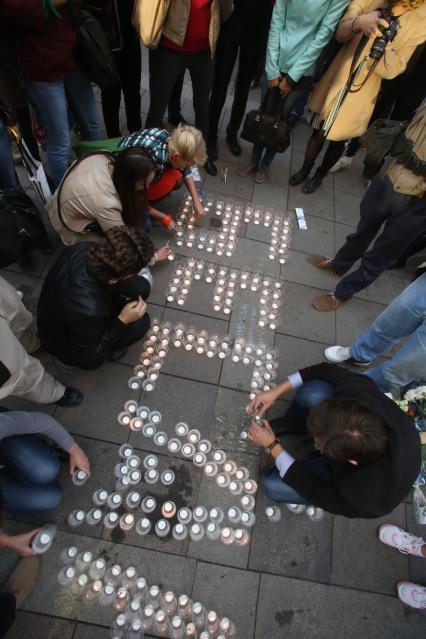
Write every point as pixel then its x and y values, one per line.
pixel 355 112
pixel 88 195
pixel 403 180
pixel 177 20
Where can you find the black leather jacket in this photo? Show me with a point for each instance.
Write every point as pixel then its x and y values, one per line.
pixel 76 318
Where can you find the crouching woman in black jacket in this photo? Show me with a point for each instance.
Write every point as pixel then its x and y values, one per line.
pixel 91 306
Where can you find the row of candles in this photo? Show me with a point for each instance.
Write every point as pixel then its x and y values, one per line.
pixel 227 281
pixel 141 608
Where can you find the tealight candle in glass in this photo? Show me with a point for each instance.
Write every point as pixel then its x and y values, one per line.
pixel 181 429
pixel 139 371
pixel 210 469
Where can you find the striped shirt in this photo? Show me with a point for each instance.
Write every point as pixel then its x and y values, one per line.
pixel 156 144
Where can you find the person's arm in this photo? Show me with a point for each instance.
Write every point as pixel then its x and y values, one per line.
pixel 166 220
pixel 358 19
pixel 192 189
pixel 92 338
pixel 322 37
pixel 397 54
pixel 19 543
pixel 35 423
pixel 272 66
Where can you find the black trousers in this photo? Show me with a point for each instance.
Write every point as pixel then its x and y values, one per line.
pixel 129 65
pixel 7 612
pixel 404 219
pixel 233 39
pixel 165 67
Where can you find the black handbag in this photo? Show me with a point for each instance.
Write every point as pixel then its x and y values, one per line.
pixel 93 52
pixel 265 127
pixel 21 229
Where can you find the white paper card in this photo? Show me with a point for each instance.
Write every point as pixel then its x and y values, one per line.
pixel 301 221
pixel 195 173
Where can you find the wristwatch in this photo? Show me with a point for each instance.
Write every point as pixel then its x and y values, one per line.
pixel 268 449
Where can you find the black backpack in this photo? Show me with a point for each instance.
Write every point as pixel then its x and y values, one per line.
pixel 93 52
pixel 21 229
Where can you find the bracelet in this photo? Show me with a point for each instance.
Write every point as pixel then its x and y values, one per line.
pixel 166 220
pixel 354 33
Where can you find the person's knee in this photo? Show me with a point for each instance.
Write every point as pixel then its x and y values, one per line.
pixel 44 470
pixel 53 496
pixel 268 481
pixel 312 393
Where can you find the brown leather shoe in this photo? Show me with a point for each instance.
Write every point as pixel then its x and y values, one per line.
pixel 322 262
pixel 246 170
pixel 23 578
pixel 328 302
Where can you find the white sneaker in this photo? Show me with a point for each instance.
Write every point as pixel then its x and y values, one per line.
pixel 339 354
pixel 411 594
pixel 401 540
pixel 342 163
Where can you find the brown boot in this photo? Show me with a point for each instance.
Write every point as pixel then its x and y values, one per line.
pixel 328 302
pixel 23 578
pixel 322 262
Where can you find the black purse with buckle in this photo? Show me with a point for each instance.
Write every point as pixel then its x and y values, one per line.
pixel 265 127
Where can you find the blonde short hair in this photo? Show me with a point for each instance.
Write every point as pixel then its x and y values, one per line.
pixel 188 143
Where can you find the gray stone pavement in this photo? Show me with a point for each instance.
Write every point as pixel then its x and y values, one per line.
pixel 295 578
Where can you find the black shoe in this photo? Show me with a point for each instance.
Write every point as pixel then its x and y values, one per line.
pixel 71 397
pixel 212 150
pixel 176 118
pixel 300 176
pixel 26 263
pixel 232 141
pixel 210 167
pixel 115 355
pixel 313 183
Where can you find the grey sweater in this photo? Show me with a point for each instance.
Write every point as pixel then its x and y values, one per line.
pixel 34 423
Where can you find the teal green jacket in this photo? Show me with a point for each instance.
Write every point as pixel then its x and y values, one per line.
pixel 299 31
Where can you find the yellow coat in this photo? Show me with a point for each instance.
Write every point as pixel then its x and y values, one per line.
pixel 355 112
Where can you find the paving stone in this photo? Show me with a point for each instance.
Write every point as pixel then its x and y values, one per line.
pixel 346 208
pixel 300 271
pixel 385 565
pixel 200 300
pixel 95 418
pixel 88 631
pixel 190 364
pixel 270 194
pixel 168 571
pixel 383 290
pixel 235 185
pixel 354 318
pixel 295 354
pixel 183 492
pixel 417 567
pixel 230 592
pixel 42 627
pixel 319 238
pixel 211 495
pixel 350 181
pixel 296 546
pixel 320 204
pixel 300 319
pixel 294 608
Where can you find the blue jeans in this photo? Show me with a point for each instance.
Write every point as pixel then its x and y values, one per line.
pixel 28 479
pixel 308 396
pixel 406 315
pixel 8 177
pixel 50 100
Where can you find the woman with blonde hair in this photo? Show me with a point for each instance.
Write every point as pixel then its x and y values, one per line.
pixel 173 155
pixel 343 101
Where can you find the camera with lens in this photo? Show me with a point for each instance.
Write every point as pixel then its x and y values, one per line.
pixel 388 35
